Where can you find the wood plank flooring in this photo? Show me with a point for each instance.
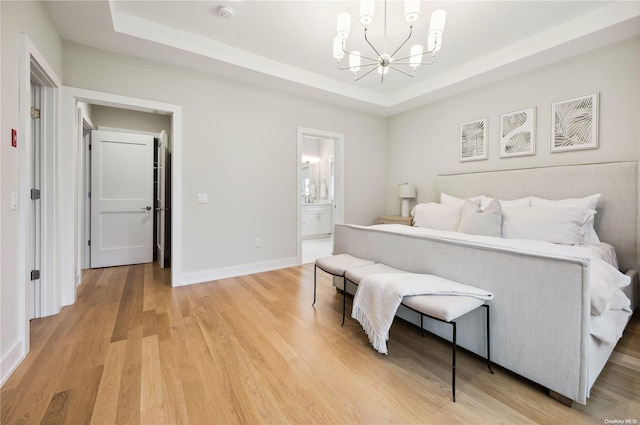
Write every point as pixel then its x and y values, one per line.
pixel 252 350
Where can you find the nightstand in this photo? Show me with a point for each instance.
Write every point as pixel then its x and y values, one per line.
pixel 395 219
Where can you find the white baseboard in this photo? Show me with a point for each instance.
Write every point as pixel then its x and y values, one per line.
pixel 10 362
pixel 233 271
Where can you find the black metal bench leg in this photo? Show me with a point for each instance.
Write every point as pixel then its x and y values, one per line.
pixel 344 298
pixel 488 340
pixel 453 363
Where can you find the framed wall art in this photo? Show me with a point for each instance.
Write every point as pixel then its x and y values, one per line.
pixel 518 133
pixel 473 140
pixel 574 124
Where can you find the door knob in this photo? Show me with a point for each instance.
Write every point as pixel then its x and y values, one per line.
pixel 148 208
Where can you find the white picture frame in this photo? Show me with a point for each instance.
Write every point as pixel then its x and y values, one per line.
pixel 518 133
pixel 473 140
pixel 574 124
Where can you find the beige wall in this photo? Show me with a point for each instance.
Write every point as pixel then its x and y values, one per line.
pixel 424 142
pixel 32 19
pixel 239 147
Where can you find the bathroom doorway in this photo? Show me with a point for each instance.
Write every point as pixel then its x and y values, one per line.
pixel 320 192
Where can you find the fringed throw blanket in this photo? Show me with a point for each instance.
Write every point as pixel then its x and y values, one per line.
pixel 379 295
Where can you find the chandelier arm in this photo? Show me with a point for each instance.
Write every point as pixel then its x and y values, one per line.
pixel 369 43
pixel 433 58
pixel 399 60
pixel 363 57
pixel 366 73
pixel 399 70
pixel 404 42
pixel 360 66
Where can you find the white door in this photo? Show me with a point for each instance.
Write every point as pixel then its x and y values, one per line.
pixel 161 206
pixel 121 198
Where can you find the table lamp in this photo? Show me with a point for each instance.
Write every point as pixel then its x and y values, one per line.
pixel 406 191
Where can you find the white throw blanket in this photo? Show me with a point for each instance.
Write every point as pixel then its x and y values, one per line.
pixel 379 295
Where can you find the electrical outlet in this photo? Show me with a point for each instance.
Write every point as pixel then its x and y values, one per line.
pixel 258 243
pixel 201 198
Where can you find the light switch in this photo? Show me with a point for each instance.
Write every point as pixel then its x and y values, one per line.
pixel 201 198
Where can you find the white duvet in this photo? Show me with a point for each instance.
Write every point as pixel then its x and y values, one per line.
pixel 606 280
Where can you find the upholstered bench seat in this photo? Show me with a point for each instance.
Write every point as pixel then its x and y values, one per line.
pixel 337 265
pixel 356 274
pixel 443 307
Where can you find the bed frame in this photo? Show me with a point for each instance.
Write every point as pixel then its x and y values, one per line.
pixel 542 338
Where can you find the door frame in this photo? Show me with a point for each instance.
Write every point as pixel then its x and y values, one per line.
pixel 84 187
pixel 34 66
pixel 338 216
pixel 72 164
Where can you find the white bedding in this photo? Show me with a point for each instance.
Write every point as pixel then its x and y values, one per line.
pixel 605 279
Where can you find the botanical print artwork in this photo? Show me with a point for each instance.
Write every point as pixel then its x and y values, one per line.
pixel 473 140
pixel 575 124
pixel 517 133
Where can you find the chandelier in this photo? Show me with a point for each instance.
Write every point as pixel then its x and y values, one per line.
pixel 382 59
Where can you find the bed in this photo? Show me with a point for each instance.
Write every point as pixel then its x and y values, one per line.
pixel 542 322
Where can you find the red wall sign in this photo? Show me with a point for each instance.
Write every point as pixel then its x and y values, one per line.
pixel 14 138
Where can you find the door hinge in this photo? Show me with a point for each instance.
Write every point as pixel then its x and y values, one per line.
pixel 89 242
pixel 35 194
pixel 35 274
pixel 89 195
pixel 35 113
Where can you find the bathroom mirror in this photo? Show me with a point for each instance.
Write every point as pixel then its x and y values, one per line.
pixel 317 170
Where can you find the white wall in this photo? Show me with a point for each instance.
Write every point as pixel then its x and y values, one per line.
pixel 239 147
pixel 130 120
pixel 32 19
pixel 424 142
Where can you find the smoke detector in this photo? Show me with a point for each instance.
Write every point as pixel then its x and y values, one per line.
pixel 225 12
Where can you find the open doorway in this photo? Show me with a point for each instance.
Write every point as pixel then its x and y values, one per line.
pixel 320 197
pixel 71 128
pixel 126 186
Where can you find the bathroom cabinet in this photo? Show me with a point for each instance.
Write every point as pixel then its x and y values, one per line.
pixel 316 220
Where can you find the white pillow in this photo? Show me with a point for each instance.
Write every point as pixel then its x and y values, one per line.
pixel 452 200
pixel 437 216
pixel 591 202
pixel 551 224
pixel 477 221
pixel 522 202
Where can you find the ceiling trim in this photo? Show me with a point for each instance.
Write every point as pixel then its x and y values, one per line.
pixel 579 35
pixel 151 31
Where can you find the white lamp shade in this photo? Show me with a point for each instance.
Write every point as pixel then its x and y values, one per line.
pixel 344 25
pixel 437 22
pixel 411 10
pixel 354 61
pixel 407 191
pixel 367 10
pixel 338 53
pixel 415 55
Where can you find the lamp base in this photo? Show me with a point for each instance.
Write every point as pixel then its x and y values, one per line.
pixel 404 207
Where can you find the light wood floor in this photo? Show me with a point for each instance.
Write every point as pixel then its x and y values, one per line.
pixel 252 350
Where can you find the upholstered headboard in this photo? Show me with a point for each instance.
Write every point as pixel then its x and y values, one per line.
pixel 617 219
